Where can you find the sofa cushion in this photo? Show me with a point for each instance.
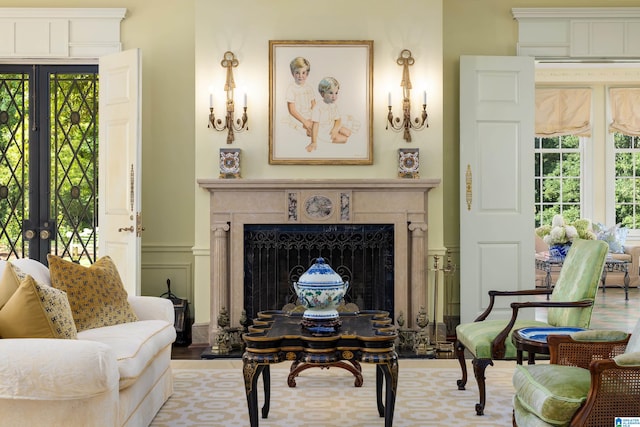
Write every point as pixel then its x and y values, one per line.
pixel 33 268
pixel 96 294
pixel 615 236
pixel 34 310
pixel 135 344
pixel 553 392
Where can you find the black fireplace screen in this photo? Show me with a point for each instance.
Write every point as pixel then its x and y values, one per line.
pixel 275 256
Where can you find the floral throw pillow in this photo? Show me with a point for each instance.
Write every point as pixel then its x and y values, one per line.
pixel 96 294
pixel 615 236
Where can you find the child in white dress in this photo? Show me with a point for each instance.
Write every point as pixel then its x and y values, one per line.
pixel 300 98
pixel 327 122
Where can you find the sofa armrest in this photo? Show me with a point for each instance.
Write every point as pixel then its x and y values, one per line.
pixel 152 308
pixel 56 369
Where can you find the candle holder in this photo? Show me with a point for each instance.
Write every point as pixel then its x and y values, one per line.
pixel 229 123
pixel 440 340
pixel 405 123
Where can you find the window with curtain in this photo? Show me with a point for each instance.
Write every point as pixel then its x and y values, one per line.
pixel 624 104
pixel 562 128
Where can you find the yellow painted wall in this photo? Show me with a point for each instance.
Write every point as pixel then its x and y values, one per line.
pixel 406 24
pixel 182 44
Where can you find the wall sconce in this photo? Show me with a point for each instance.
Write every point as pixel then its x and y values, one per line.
pixel 405 123
pixel 230 124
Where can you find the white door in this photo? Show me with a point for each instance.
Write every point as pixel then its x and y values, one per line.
pixel 119 172
pixel 496 166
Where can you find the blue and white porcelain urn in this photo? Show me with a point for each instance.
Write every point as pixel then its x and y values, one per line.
pixel 321 290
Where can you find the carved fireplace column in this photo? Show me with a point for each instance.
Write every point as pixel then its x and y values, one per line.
pixel 418 277
pixel 219 274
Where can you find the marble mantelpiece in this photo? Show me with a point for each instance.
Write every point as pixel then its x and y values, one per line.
pixel 236 202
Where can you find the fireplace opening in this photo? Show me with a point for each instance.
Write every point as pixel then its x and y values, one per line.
pixel 276 255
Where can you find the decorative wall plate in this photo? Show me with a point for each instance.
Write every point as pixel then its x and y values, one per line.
pixel 229 163
pixel 408 163
pixel 318 207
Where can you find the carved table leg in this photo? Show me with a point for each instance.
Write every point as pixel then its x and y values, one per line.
pixel 379 381
pixel 266 380
pixel 390 372
pixel 251 371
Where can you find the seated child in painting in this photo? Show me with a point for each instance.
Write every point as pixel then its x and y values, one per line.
pixel 299 96
pixel 327 122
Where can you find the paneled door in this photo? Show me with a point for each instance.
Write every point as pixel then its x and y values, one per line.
pixel 496 167
pixel 120 201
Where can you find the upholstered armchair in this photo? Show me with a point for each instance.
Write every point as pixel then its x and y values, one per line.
pixel 593 377
pixel 570 304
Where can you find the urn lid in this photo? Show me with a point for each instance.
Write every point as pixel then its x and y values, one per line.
pixel 320 273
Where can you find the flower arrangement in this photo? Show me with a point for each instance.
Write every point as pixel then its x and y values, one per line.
pixel 562 233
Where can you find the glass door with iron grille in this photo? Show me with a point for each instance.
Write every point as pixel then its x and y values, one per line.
pixel 49 162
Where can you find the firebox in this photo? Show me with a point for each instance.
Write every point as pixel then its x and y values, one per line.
pixel 275 255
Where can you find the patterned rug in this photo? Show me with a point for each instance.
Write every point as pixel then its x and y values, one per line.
pixel 211 393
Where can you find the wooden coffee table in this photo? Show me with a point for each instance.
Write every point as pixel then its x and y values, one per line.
pixel 533 340
pixel 364 337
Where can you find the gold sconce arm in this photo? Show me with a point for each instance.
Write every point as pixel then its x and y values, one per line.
pixel 229 123
pixel 405 123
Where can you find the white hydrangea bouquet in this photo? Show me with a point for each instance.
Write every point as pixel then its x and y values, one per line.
pixel 561 233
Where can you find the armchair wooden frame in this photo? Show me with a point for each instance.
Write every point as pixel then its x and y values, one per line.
pixel 614 390
pixel 498 346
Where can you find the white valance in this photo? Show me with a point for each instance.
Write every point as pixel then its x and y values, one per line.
pixel 563 112
pixel 625 110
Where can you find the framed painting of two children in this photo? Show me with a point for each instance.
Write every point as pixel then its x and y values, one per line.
pixel 320 102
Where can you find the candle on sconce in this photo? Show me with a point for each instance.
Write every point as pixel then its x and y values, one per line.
pixel 245 100
pixel 210 100
pixel 389 99
pixel 424 97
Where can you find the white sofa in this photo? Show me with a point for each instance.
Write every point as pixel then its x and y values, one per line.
pixel 110 376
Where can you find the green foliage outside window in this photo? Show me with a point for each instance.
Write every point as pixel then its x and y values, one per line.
pixel 557 178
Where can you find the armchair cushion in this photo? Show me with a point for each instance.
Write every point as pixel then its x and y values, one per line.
pixel 552 392
pixel 478 336
pixel 96 294
pixel 634 342
pixel 599 335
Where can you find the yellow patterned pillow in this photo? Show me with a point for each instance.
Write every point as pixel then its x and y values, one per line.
pixel 37 311
pixel 9 282
pixel 96 294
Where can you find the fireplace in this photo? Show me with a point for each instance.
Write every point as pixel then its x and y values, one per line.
pixel 240 206
pixel 276 255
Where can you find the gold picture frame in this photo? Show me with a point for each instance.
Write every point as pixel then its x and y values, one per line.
pixel 324 115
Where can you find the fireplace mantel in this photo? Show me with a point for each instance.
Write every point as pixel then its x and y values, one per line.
pixel 236 202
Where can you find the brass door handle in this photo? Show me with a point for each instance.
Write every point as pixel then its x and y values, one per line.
pixel 129 229
pixel 45 234
pixel 29 234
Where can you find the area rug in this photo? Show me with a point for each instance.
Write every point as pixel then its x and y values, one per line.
pixel 211 393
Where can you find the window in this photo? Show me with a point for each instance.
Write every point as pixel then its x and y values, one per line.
pixel 627 180
pixel 558 177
